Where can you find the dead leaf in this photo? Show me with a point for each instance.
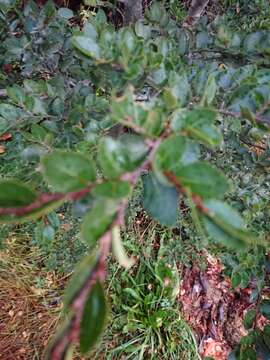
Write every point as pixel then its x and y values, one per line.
pixel 2 149
pixel 5 137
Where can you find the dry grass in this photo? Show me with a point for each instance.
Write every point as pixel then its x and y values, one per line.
pixel 29 301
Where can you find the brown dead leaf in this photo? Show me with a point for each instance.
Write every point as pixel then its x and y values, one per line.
pixel 214 310
pixel 216 349
pixel 5 137
pixel 2 149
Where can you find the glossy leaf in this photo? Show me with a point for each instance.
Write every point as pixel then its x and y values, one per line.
pixel 112 189
pixel 68 171
pixel 87 46
pixel 224 225
pixel 98 220
pixel 265 308
pixel 203 179
pixel 199 125
pixel 160 201
pixel 117 156
pixel 263 350
pixel 15 194
pixel 93 318
pixel 33 214
pixel 82 272
pixel 174 153
pixel 65 13
pixel 209 91
pixel 249 319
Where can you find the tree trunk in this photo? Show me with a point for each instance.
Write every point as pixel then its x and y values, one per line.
pixel 133 11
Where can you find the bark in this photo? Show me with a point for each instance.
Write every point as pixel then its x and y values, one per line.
pixel 197 7
pixel 195 11
pixel 133 11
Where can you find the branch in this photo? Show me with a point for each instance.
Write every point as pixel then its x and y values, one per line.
pixel 257 117
pixel 195 11
pixel 197 200
pixel 45 199
pixel 72 333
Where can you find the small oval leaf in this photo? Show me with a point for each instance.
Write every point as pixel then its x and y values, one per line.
pixel 93 319
pixel 15 194
pixel 68 171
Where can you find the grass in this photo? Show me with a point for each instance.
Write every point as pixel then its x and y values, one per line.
pixel 146 320
pixel 29 301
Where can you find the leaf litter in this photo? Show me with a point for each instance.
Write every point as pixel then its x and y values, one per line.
pixel 214 310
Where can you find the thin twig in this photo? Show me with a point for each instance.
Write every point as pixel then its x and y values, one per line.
pixel 45 199
pixel 197 200
pixel 259 119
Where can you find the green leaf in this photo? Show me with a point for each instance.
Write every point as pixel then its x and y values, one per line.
pixel 203 179
pixel 266 335
pixel 168 156
pixel 265 308
pixel 263 350
pixel 10 112
pixel 253 41
pixel 249 319
pixel 172 154
pixel 224 225
pixel 6 5
pixel 87 46
pixel 209 91
pixel 157 13
pixel 48 233
pixel 97 221
pixel 199 125
pixel 15 194
pixel 152 121
pixel 142 30
pixel 133 293
pixel 248 354
pixel 117 156
pixel 38 133
pixel 81 274
pixel 160 201
pixel 93 318
pixel 90 31
pixel 34 214
pixel 68 171
pixel 16 94
pixel 65 13
pixel 112 189
pixel 178 92
pixel 236 279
